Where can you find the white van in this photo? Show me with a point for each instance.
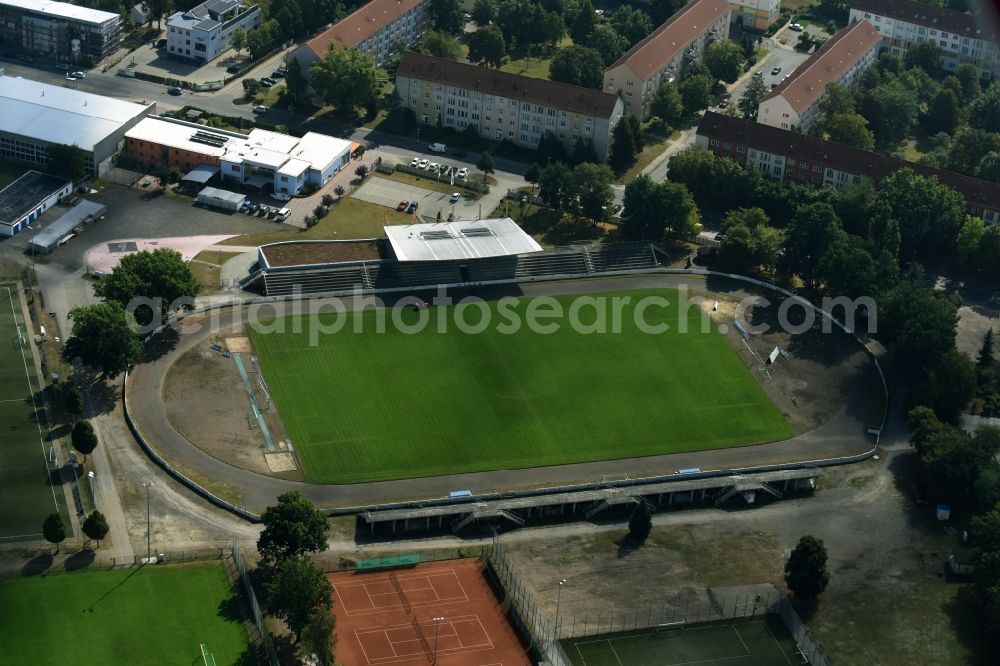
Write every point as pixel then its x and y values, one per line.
pixel 437 147
pixel 283 214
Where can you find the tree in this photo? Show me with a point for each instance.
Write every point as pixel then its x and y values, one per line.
pixel 339 191
pixel 968 77
pixel 96 526
pixel 924 426
pixel 891 110
pixel 250 88
pixel 851 130
pixel 532 173
pixel 753 95
pixel 805 571
pixel 485 163
pixel 446 16
pixel 750 240
pixel 486 45
pixel 985 358
pixel 298 591
pixel 942 112
pixel 984 111
pixel 238 40
pixel 345 77
pixel 578 66
pixel 260 39
pixel 954 460
pixel 948 385
pixel 640 523
pixel 289 19
pixel 84 438
pixel 926 56
pixel 661 10
pixel 969 242
pixel 318 636
pixel 103 338
pixel 74 401
pixel 696 93
pixel 631 23
pixel 584 23
pixel 555 186
pixel 813 229
pixel 592 184
pixel 989 167
pixel 836 99
pixel 608 43
pixel 53 529
pixel 654 209
pixel 930 214
pixel 623 150
pixel 667 105
pixel 725 60
pixel 157 9
pixel 67 161
pixel 439 45
pixel 161 274
pixel 292 527
pixel 917 325
pixel 361 171
pixel 484 12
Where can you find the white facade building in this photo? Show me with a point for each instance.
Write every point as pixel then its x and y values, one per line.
pixel 204 32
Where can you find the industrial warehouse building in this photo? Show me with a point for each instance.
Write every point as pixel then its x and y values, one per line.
pixel 23 201
pixel 34 116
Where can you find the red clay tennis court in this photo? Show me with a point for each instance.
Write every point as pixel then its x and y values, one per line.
pixel 409 617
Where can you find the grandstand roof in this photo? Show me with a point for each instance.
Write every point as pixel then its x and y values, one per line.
pixel 448 241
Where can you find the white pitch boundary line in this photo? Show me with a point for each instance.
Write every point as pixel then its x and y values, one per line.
pixel 609 641
pixel 776 642
pixel 379 609
pixel 34 403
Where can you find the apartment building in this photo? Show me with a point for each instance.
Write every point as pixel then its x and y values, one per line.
pixel 794 103
pixel 506 107
pixel 792 157
pixel 204 32
pixel 755 14
pixel 376 29
pixel 663 56
pixel 963 38
pixel 58 30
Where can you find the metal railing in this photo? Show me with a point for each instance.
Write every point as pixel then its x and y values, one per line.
pixel 255 611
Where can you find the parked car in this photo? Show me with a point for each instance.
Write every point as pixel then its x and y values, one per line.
pixel 462 173
pixel 795 27
pixel 281 196
pixel 455 196
pixel 261 108
pixel 724 103
pixel 278 74
pixel 775 71
pixel 62 68
pixel 759 73
pixel 233 69
pixel 433 167
pixel 422 164
pixel 80 75
pixel 283 215
pixel 412 207
pixel 401 206
pixel 254 208
pixel 437 148
pixel 267 83
pixel 175 91
pixel 245 206
pixel 70 77
pixel 415 161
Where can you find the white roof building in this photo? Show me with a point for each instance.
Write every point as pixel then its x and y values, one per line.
pixel 475 239
pixel 41 115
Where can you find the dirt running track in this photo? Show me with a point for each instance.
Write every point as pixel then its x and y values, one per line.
pixel 842 435
pixel 443 613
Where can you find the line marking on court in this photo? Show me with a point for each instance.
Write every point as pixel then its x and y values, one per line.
pixel 615 652
pixel 428 577
pixel 680 631
pixel 742 642
pixel 776 642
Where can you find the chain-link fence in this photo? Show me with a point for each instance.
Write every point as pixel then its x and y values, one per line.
pixel 256 614
pixel 809 648
pixel 331 562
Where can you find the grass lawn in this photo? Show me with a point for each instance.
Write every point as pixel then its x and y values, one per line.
pixel 534 66
pixel 428 184
pixel 350 218
pixel 756 642
pixel 148 615
pixel 205 268
pixel 371 406
pixel 654 146
pixel 26 497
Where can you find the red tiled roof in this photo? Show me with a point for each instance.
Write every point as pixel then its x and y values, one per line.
pixel 666 41
pixel 504 84
pixel 829 64
pixel 361 24
pixel 938 18
pixel 837 156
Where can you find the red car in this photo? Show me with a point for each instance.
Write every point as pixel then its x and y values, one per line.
pixel 402 205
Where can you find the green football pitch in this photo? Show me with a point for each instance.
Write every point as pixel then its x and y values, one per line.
pixel 386 405
pixel 758 642
pixel 26 496
pixel 146 615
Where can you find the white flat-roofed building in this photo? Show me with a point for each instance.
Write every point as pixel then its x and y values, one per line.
pixel 35 115
pixel 449 241
pixel 204 32
pixel 58 30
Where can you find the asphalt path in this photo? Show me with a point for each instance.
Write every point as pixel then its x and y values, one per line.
pixel 842 435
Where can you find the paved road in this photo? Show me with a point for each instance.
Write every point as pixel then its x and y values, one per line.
pixel 842 435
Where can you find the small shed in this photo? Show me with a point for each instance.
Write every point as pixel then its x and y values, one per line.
pixel 49 238
pixel 221 199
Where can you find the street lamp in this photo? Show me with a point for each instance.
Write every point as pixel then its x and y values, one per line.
pixel 558 599
pixel 146 485
pixel 437 624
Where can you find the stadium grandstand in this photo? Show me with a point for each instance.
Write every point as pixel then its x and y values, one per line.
pixel 431 254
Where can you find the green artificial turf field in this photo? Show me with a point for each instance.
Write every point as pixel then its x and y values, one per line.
pixel 374 406
pixel 148 615
pixel 757 642
pixel 26 497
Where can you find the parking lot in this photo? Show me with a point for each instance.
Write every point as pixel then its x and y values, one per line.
pixel 390 193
